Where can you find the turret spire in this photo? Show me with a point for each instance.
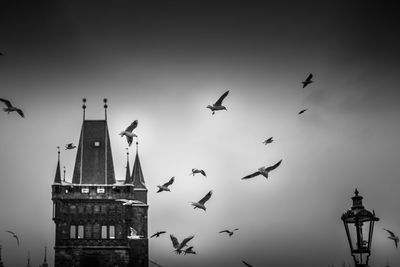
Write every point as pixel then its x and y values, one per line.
pixel 29 260
pixel 1 262
pixel 57 177
pixel 137 174
pixel 128 179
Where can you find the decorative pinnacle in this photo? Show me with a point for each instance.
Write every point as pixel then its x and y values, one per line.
pixel 356 192
pixel 105 103
pixel 84 103
pixel 64 174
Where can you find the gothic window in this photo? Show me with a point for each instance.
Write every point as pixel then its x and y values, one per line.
pixel 88 231
pixel 80 231
pixel 100 190
pixel 81 209
pixel 103 209
pixel 72 209
pixel 104 232
pixel 64 230
pixel 119 231
pixel 89 209
pixel 112 232
pixel 96 231
pixel 96 209
pixel 72 231
pixel 85 190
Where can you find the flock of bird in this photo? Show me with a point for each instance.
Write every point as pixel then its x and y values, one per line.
pixel 183 247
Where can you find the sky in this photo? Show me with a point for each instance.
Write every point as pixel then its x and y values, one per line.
pixel 162 63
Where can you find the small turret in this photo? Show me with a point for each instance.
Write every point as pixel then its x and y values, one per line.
pixel 57 177
pixel 137 174
pixel 128 178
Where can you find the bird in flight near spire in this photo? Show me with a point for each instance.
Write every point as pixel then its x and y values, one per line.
pixel 263 171
pixel 189 250
pixel 218 105
pixel 245 263
pixel 158 234
pixel 268 141
pixel 14 235
pixel 70 146
pixel 130 202
pixel 202 202
pixel 302 111
pixel 307 81
pixel 11 108
pixel 128 132
pixel 392 237
pixel 164 187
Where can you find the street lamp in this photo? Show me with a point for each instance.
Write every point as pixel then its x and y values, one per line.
pixel 363 221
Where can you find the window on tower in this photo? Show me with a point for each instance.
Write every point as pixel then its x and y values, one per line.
pixel 96 231
pixel 104 232
pixel 80 231
pixel 112 232
pixel 72 232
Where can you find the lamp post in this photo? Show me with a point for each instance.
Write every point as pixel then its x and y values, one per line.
pixel 358 220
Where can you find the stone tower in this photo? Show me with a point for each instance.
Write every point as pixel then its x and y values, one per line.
pixel 92 228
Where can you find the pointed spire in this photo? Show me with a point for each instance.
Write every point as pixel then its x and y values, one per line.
pixel 45 254
pixel 137 174
pixel 84 108
pixel 57 177
pixel 64 175
pixel 128 179
pixel 105 108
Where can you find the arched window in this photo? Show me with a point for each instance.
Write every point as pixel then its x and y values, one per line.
pixel 88 231
pixel 72 231
pixel 96 231
pixel 80 231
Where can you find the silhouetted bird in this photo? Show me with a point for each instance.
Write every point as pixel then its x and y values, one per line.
pixel 268 141
pixel 392 237
pixel 245 263
pixel 302 111
pixel 164 187
pixel 179 246
pixel 308 80
pixel 202 201
pixel 194 171
pixel 263 171
pixel 11 108
pixel 128 132
pixel 130 202
pixel 229 232
pixel 70 146
pixel 158 234
pixel 14 235
pixel 218 105
pixel 189 250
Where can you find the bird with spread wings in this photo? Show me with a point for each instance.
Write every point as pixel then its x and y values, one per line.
pixel 392 237
pixel 11 108
pixel 202 202
pixel 263 171
pixel 14 235
pixel 164 187
pixel 229 232
pixel 130 202
pixel 218 105
pixel 179 246
pixel 158 234
pixel 194 171
pixel 128 132
pixel 308 80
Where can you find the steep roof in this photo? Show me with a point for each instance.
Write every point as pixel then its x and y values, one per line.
pixel 94 162
pixel 137 174
pixel 57 177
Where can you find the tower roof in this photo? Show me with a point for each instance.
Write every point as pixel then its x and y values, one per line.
pixel 128 178
pixel 57 177
pixel 137 174
pixel 94 163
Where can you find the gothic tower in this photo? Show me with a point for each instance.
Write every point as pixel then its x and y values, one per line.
pixel 92 228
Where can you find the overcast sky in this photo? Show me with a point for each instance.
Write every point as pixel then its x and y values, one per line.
pixel 162 64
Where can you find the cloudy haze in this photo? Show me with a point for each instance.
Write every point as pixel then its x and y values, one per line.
pixel 162 64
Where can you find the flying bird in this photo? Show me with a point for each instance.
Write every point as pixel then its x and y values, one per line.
pixel 158 234
pixel 14 235
pixel 130 202
pixel 245 263
pixel 179 246
pixel 263 171
pixel 201 203
pixel 308 80
pixel 268 141
pixel 218 105
pixel 133 234
pixel 164 187
pixel 11 108
pixel 189 250
pixel 128 132
pixel 392 237
pixel 302 111
pixel 194 171
pixel 229 232
pixel 70 146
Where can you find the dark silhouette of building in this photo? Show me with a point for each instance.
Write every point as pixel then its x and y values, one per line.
pixel 92 228
pixel 1 262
